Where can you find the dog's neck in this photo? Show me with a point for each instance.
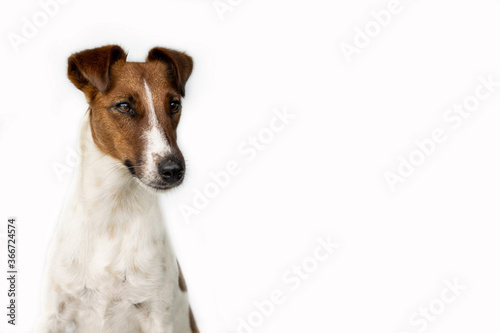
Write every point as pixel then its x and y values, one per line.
pixel 106 190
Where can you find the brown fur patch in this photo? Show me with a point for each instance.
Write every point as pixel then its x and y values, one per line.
pixel 120 135
pixel 62 306
pixel 182 282
pixel 192 322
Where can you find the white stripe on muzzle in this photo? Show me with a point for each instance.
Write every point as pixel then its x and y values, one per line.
pixel 156 142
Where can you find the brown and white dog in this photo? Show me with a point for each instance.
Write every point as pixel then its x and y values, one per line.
pixel 111 267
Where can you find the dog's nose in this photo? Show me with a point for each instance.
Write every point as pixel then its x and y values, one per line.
pixel 171 170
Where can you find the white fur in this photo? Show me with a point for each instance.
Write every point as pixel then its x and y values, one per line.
pixel 109 252
pixel 157 146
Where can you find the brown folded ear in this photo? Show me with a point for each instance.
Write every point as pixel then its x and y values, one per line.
pixel 92 67
pixel 180 66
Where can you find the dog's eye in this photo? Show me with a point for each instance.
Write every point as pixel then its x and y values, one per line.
pixel 175 106
pixel 123 107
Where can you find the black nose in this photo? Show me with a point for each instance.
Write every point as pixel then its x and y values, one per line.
pixel 171 170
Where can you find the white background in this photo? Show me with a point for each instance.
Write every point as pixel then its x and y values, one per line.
pixel 322 176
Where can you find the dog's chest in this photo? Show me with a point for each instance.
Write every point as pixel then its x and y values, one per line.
pixel 110 257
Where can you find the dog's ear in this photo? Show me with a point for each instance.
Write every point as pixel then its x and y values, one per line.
pixel 92 67
pixel 179 64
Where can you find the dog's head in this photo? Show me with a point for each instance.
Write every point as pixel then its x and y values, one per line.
pixel 135 108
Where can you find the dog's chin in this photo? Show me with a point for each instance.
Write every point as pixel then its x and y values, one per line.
pixel 157 186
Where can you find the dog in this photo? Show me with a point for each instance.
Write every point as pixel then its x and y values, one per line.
pixel 111 267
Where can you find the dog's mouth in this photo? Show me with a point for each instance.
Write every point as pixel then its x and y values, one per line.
pixel 130 167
